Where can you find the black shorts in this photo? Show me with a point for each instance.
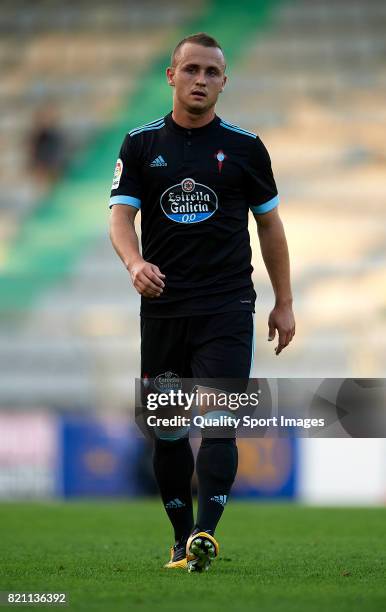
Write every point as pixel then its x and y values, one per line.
pixel 202 346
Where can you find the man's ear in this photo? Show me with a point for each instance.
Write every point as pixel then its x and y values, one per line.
pixel 224 81
pixel 170 76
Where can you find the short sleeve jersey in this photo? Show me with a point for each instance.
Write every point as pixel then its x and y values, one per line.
pixel 194 188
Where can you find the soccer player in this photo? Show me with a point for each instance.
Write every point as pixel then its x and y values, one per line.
pixel 195 176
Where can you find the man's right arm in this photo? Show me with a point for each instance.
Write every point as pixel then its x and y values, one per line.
pixel 146 277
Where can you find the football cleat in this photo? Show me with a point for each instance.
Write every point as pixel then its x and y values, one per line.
pixel 177 556
pixel 201 549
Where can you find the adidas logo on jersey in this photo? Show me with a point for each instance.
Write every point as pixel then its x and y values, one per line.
pixel 158 162
pixel 175 503
pixel 220 499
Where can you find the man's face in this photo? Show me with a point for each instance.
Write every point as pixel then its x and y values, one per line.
pixel 197 77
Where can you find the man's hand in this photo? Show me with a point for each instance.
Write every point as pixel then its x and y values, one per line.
pixel 282 319
pixel 147 278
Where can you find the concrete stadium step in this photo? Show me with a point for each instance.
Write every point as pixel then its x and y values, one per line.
pixel 56 354
pixel 321 11
pixel 96 15
pixel 300 80
pixel 68 391
pixel 67 370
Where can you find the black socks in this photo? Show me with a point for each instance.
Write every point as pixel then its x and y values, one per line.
pixel 173 467
pixel 216 470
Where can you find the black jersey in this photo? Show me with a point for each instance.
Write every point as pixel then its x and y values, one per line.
pixel 194 188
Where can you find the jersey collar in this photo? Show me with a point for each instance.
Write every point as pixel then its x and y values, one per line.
pixel 175 127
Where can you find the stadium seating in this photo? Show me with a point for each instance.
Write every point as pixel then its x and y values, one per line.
pixel 312 85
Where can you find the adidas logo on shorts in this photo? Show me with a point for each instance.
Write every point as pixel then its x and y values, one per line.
pixel 220 499
pixel 175 503
pixel 158 162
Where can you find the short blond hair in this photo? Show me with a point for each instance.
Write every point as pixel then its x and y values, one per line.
pixel 201 38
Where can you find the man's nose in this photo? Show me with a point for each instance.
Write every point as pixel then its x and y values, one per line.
pixel 201 78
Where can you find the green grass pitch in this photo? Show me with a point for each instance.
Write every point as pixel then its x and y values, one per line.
pixel 108 556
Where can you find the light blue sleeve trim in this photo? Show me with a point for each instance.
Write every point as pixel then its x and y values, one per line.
pixel 267 206
pixel 122 199
pixel 140 127
pixel 147 129
pixel 238 130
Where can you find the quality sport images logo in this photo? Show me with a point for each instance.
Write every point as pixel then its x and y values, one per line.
pixel 189 202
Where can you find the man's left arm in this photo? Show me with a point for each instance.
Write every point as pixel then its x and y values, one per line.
pixel 274 250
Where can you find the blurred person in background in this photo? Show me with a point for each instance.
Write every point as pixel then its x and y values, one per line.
pixel 47 148
pixel 195 176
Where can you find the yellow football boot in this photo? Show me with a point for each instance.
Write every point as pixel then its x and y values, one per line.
pixel 201 550
pixel 177 557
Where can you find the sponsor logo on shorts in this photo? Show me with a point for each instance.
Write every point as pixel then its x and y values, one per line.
pixel 168 381
pixel 189 202
pixel 146 380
